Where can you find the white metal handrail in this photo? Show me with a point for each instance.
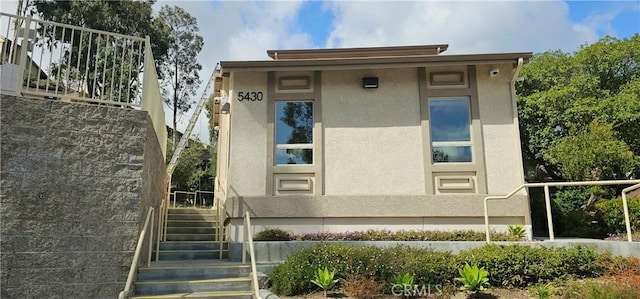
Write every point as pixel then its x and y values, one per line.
pixel 248 240
pixel 175 193
pixel 201 192
pixel 55 60
pixel 548 201
pixel 159 233
pixel 136 256
pixel 625 207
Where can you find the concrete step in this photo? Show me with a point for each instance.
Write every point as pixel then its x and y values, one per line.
pixel 191 237
pixel 192 211
pixel 174 255
pixel 190 230
pixel 163 287
pixel 192 245
pixel 193 273
pixel 201 295
pixel 193 217
pixel 191 223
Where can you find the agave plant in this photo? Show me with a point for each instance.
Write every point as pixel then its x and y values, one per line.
pixel 473 279
pixel 325 280
pixel 517 230
pixel 405 280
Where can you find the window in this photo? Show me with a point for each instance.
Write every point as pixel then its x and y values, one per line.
pixel 294 133
pixel 450 120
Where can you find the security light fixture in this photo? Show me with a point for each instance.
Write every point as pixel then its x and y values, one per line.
pixel 494 72
pixel 370 82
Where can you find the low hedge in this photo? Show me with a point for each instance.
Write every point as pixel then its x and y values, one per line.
pixel 276 234
pixel 520 266
pixel 508 265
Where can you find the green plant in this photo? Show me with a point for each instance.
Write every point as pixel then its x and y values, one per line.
pixel 611 213
pixel 473 279
pixel 325 280
pixel 273 234
pixel 291 277
pixel 520 266
pixel 517 230
pixel 403 279
pixel 543 290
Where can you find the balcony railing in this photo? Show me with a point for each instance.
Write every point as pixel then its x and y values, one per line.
pixel 52 60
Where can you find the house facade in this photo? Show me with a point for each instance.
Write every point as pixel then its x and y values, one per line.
pixel 397 138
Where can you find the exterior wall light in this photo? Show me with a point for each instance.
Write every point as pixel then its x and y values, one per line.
pixel 370 82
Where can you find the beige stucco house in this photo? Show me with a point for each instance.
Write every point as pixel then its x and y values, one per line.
pixel 370 138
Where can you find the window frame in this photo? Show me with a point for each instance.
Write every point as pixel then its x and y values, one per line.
pixel 457 143
pixel 286 146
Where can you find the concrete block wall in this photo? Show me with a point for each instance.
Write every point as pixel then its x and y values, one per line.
pixel 76 184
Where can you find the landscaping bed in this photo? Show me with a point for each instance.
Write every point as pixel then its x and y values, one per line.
pixel 513 271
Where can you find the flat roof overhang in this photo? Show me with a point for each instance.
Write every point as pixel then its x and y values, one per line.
pixel 358 52
pixel 372 63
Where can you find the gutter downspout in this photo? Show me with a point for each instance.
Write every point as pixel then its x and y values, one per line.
pixel 516 124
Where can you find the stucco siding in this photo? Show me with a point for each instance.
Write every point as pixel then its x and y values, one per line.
pixel 247 163
pixel 501 140
pixel 372 137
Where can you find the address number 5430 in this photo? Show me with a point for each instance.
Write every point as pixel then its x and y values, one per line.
pixel 250 96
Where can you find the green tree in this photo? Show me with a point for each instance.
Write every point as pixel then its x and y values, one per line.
pixel 579 114
pixel 88 70
pixel 180 70
pixel 213 134
pixel 192 172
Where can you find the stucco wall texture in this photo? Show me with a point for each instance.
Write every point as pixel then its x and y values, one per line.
pixel 76 184
pixel 372 138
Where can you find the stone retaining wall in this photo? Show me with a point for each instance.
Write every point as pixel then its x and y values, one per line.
pixel 76 184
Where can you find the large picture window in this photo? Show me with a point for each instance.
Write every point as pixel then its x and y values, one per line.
pixel 450 120
pixel 294 132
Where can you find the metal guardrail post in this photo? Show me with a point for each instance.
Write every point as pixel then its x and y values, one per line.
pixel 547 203
pixel 22 63
pixel 625 207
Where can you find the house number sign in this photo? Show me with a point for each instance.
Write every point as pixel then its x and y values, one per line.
pixel 250 96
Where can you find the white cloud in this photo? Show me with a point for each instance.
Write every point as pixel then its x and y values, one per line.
pixel 238 31
pixel 468 27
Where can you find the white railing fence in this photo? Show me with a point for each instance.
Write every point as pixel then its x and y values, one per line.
pixel 547 200
pixel 52 60
pixel 247 243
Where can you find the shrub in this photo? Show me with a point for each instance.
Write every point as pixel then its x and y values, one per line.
pixel 429 267
pixel 273 234
pixel 276 234
pixel 519 266
pixel 610 288
pixel 610 211
pixel 615 265
pixel 361 286
pixel 508 265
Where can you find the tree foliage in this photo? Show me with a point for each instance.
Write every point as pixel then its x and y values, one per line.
pixel 191 172
pixel 580 114
pixel 180 70
pixel 88 52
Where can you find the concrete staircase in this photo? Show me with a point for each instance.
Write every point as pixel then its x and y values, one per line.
pixel 189 264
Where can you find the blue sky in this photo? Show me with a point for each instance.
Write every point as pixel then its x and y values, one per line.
pixel 244 30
